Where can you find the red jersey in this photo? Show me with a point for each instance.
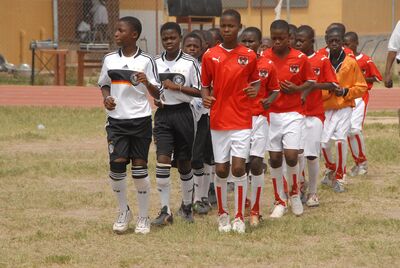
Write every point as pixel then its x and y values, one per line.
pixel 296 69
pixel 325 52
pixel 229 72
pixel 323 70
pixel 269 82
pixel 368 69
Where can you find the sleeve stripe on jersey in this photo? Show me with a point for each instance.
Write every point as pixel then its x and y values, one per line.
pixel 196 68
pixel 153 66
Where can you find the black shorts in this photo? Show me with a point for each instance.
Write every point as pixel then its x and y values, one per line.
pixel 129 138
pixel 174 131
pixel 202 147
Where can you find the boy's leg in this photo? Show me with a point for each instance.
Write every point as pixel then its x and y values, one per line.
pixel 327 134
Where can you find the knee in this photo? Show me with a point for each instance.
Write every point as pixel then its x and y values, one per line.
pixel 275 162
pixel 117 170
pixel 238 170
pixel 256 166
pixel 163 173
pixel 222 171
pixel 184 166
pixel 311 157
pixel 291 160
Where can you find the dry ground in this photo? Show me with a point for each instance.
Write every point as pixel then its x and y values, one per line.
pixel 57 207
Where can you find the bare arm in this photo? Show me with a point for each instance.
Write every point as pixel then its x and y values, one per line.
pixel 208 100
pixel 108 101
pixel 389 62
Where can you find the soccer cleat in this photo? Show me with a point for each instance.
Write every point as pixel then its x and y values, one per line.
pixel 312 200
pixel 354 171
pixel 303 191
pixel 224 224
pixel 185 211
pixel 339 186
pixel 328 177
pixel 362 169
pixel 238 226
pixel 255 219
pixel 206 204
pixel 122 222
pixel 199 208
pixel 296 205
pixel 163 218
pixel 278 211
pixel 142 225
pixel 211 195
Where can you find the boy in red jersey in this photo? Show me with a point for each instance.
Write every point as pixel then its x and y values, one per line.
pixel 269 89
pixel 230 68
pixel 355 137
pixel 285 116
pixel 313 108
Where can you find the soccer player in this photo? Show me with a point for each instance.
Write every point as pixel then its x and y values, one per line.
pixel 292 35
pixel 338 106
pixel 202 148
pixel 266 42
pixel 313 110
pixel 285 116
pixel 342 28
pixel 174 125
pixel 230 68
pixel 356 138
pixel 125 78
pixel 269 90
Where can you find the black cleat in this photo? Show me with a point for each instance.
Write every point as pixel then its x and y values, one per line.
pixel 199 208
pixel 185 211
pixel 163 218
pixel 212 198
pixel 206 204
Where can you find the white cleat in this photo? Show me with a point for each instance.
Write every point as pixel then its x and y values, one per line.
pixel 354 171
pixel 142 225
pixel 122 222
pixel 224 224
pixel 238 226
pixel 297 206
pixel 312 201
pixel 328 178
pixel 362 169
pixel 278 211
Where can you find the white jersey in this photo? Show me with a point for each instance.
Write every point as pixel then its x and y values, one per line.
pixel 118 72
pixel 183 70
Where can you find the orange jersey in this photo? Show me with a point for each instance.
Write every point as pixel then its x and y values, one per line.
pixel 349 76
pixel 269 82
pixel 294 68
pixel 325 52
pixel 229 72
pixel 325 74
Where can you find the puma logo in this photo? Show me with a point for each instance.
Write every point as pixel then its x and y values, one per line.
pixel 216 59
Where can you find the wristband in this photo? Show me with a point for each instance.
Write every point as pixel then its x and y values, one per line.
pixel 107 97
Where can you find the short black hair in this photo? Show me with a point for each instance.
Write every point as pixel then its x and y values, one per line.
pixel 217 33
pixel 307 30
pixel 279 25
pixel 292 29
pixel 336 25
pixel 334 31
pixel 208 37
pixel 233 13
pixel 171 26
pixel 254 30
pixel 134 23
pixel 352 35
pixel 192 35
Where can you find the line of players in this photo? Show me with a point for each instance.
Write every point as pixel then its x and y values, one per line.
pixel 247 97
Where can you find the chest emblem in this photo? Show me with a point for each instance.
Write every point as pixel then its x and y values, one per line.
pixel 294 68
pixel 178 79
pixel 133 78
pixel 263 73
pixel 243 60
pixel 317 71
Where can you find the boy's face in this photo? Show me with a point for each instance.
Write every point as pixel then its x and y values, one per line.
pixel 250 40
pixel 292 39
pixel 229 27
pixel 350 43
pixel 280 40
pixel 303 42
pixel 334 41
pixel 124 35
pixel 192 47
pixel 170 40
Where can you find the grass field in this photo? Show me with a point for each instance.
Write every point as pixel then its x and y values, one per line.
pixel 57 207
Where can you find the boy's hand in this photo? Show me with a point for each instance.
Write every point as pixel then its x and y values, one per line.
pixel 168 84
pixel 341 92
pixel 158 103
pixel 288 87
pixel 208 101
pixel 109 103
pixel 250 91
pixel 388 81
pixel 142 78
pixel 266 103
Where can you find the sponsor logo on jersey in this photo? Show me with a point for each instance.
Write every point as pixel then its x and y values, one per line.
pixel 243 60
pixel 317 71
pixel 294 68
pixel 263 73
pixel 133 78
pixel 178 79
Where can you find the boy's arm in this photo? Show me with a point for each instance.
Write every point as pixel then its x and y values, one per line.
pixel 359 86
pixel 389 62
pixel 194 80
pixel 108 101
pixel 206 82
pixel 150 79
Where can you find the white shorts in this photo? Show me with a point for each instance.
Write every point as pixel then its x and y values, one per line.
pixel 259 136
pixel 284 131
pixel 228 143
pixel 337 124
pixel 358 115
pixel 311 136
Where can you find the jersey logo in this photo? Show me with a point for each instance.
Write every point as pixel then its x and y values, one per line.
pixel 294 68
pixel 216 59
pixel 125 67
pixel 179 79
pixel 317 71
pixel 263 73
pixel 242 60
pixel 110 147
pixel 133 78
pixel 364 71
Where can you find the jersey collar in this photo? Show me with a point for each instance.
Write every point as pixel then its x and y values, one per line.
pixel 138 52
pixel 177 57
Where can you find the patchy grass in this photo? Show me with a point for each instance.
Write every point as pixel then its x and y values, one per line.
pixel 57 207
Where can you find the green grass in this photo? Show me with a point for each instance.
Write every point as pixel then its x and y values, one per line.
pixel 57 207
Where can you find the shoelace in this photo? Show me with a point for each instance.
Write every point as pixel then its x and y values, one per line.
pixel 122 217
pixel 142 222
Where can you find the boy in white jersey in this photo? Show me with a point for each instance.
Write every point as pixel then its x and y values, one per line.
pixel 125 78
pixel 174 124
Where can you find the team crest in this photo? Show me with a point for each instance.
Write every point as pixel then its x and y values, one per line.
pixel 242 60
pixel 263 73
pixel 133 78
pixel 364 71
pixel 317 71
pixel 110 148
pixel 178 79
pixel 294 68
